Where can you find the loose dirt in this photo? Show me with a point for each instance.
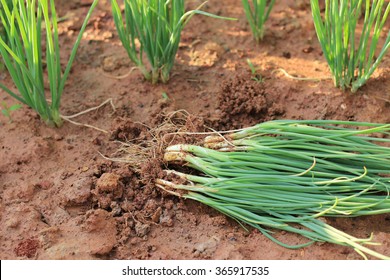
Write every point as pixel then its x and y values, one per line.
pixel 61 199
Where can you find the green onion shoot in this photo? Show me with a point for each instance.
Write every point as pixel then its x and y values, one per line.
pixel 352 56
pixel 257 13
pixel 153 28
pixel 26 25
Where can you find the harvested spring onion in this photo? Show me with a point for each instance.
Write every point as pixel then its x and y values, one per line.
pixel 281 174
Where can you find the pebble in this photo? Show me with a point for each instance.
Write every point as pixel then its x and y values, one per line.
pixel 142 229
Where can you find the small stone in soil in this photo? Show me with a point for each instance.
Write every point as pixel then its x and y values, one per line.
pixel 44 185
pixel 209 246
pixel 116 209
pixel 135 241
pixel 166 219
pixel 109 183
pixel 286 55
pixel 84 169
pixel 58 137
pixel 142 229
pixel 308 49
pixel 12 223
pixel 79 193
pixel 156 216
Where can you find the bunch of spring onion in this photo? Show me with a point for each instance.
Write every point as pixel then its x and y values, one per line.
pixel 153 27
pixel 352 59
pixel 257 14
pixel 287 174
pixel 26 24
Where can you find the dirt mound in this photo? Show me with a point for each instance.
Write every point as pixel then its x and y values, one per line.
pixel 245 101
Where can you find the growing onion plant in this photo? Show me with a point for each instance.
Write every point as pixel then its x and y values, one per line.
pixel 352 57
pixel 257 13
pixel 2 31
pixel 27 23
pixel 3 34
pixel 153 28
pixel 287 174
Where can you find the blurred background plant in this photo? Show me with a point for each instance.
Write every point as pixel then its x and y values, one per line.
pixel 257 13
pixel 351 57
pixel 153 28
pixel 25 25
pixel 3 34
pixel 7 110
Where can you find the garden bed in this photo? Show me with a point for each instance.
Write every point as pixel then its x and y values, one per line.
pixel 61 199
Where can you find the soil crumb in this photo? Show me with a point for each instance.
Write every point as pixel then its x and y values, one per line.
pixel 27 248
pixel 244 101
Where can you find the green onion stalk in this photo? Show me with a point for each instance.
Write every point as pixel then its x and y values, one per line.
pixel 287 174
pixel 257 14
pixel 26 25
pixel 153 28
pixel 3 34
pixel 352 58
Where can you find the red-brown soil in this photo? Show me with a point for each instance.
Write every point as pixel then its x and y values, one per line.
pixel 60 199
